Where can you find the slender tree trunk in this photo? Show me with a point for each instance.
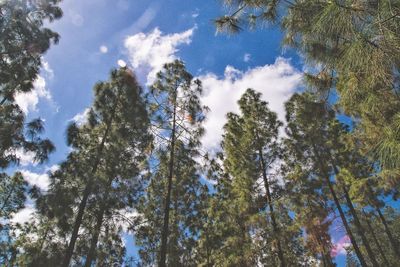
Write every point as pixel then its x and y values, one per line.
pixel 99 222
pixel 341 213
pixel 359 227
pixel 346 225
pixel 7 198
pixel 93 244
pixel 164 235
pixel 271 209
pixel 46 232
pixel 77 224
pixel 87 192
pixel 326 258
pixel 393 241
pixel 378 245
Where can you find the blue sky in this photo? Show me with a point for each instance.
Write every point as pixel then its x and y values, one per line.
pixel 97 34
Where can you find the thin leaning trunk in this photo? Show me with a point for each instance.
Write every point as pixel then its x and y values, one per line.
pixel 325 255
pixel 341 213
pixel 345 223
pixel 393 241
pixel 93 244
pixel 377 244
pixel 86 193
pixel 77 224
pixel 99 222
pixel 271 209
pixel 359 227
pixel 164 235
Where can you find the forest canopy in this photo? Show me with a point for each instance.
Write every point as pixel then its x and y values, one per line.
pixel 294 188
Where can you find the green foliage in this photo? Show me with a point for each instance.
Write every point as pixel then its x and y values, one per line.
pixel 105 167
pixel 172 203
pixel 353 46
pixel 23 41
pixel 248 220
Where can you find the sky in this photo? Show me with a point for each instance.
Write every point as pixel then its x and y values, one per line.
pixel 99 35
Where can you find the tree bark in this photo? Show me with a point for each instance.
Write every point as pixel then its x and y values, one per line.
pixel 378 245
pixel 341 213
pixel 164 235
pixel 77 224
pixel 93 244
pixel 346 225
pixel 271 210
pixel 359 227
pixel 393 241
pixel 87 192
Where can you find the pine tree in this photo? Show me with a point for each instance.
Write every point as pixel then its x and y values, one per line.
pixel 314 137
pixel 174 189
pixel 23 41
pixel 353 46
pixel 101 175
pixel 248 216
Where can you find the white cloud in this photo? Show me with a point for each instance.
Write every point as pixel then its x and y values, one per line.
pixel 25 157
pixel 40 180
pixel 151 51
pixel 246 57
pixel 53 168
pixel 23 215
pixel 48 70
pixel 81 118
pixel 277 82
pixel 28 101
pixel 103 49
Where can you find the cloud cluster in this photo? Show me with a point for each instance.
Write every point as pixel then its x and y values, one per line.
pixel 42 181
pixel 277 82
pixel 150 51
pixel 28 101
pixel 25 157
pixel 81 118
pixel 24 215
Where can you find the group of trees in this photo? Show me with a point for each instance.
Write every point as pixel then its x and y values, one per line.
pixel 266 198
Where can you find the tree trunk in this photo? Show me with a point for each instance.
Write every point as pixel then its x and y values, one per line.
pixel 359 227
pixel 325 255
pixel 99 222
pixel 164 235
pixel 271 209
pixel 93 244
pixel 87 192
pixel 341 213
pixel 393 241
pixel 378 245
pixel 77 224
pixel 346 225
